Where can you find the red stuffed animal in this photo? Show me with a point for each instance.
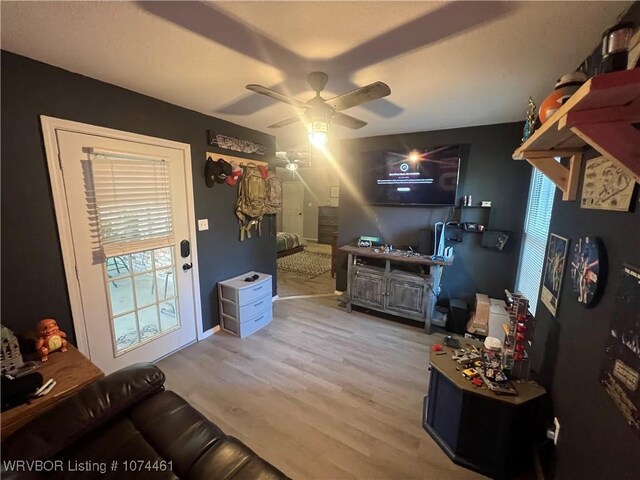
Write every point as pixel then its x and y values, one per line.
pixel 50 338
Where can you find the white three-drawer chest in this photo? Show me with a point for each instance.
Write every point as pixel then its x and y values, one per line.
pixel 245 306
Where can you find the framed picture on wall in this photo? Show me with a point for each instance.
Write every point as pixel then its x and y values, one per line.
pixel 606 185
pixel 334 192
pixel 554 264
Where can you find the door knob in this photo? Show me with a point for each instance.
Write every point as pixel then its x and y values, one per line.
pixel 187 266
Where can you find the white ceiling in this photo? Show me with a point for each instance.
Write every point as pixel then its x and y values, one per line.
pixel 448 64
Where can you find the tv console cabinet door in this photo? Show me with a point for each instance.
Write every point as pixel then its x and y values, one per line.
pixel 368 288
pixel 406 297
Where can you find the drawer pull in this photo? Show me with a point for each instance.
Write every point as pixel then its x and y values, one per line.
pixel 259 303
pixel 258 319
pixel 258 288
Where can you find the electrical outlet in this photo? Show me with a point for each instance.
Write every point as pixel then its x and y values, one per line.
pixel 203 224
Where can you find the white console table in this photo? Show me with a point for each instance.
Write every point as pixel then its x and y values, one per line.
pixel 393 289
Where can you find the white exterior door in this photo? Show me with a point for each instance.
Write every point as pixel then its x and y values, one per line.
pixel 137 296
pixel 292 204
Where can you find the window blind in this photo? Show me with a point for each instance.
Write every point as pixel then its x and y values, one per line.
pixel 131 204
pixel 536 232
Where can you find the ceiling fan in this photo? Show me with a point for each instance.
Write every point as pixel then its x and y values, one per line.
pixel 292 160
pixel 318 112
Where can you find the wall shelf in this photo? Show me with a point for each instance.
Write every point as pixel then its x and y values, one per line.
pixel 604 114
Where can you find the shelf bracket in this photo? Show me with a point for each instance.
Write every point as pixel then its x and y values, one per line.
pixel 566 179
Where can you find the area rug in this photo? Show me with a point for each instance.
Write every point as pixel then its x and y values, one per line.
pixel 305 264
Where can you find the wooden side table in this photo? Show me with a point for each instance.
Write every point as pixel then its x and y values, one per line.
pixel 71 370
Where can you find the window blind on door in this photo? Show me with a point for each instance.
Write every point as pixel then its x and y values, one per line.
pixel 132 204
pixel 536 232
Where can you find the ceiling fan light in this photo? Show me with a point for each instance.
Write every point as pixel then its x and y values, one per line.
pixel 292 166
pixel 318 134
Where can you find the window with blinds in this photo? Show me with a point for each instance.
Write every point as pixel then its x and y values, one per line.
pixel 534 241
pixel 131 200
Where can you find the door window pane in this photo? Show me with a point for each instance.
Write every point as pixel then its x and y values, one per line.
pixel 165 283
pixel 126 331
pixel 168 315
pixel 141 261
pixel 121 295
pixel 145 289
pixel 142 295
pixel 163 257
pixel 118 266
pixel 148 320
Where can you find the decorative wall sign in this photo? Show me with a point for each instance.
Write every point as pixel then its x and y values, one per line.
pixel 334 192
pixel 554 271
pixel 606 186
pixel 620 373
pixel 587 269
pixel 235 144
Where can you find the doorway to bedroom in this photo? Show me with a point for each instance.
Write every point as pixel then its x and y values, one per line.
pixel 307 229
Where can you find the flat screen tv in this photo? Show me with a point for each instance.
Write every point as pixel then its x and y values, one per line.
pixel 411 177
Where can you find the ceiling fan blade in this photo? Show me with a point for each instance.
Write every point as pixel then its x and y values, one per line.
pixel 359 95
pixel 347 121
pixel 276 95
pixel 285 122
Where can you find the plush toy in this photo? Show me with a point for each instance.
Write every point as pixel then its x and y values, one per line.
pixel 50 338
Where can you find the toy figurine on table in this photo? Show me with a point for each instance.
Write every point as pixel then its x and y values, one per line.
pixel 49 338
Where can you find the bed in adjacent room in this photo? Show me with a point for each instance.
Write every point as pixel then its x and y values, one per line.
pixel 289 243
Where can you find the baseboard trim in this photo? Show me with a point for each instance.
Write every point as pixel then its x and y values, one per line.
pixel 338 292
pixel 315 295
pixel 314 240
pixel 275 298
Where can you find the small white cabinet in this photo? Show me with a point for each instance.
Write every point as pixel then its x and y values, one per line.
pixel 245 307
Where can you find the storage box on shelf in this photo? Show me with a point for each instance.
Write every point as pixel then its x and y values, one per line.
pixel 245 307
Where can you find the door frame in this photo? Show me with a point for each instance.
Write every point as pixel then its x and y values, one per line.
pixel 299 186
pixel 50 125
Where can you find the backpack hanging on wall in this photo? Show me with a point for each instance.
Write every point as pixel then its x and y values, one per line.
pixel 273 202
pixel 252 194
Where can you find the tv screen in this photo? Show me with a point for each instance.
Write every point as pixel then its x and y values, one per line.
pixel 411 177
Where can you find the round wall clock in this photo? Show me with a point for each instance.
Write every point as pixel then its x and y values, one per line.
pixel 587 269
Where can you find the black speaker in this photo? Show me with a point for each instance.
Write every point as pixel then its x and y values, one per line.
pixel 457 316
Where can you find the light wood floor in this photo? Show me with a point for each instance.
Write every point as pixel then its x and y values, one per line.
pixel 320 393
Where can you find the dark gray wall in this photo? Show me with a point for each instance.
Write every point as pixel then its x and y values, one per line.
pixel 595 441
pixel 487 172
pixel 33 281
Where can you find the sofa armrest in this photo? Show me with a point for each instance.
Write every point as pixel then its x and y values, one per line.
pixel 52 432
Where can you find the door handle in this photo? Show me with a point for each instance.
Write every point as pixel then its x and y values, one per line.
pixel 187 266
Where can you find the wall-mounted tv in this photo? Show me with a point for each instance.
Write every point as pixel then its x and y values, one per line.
pixel 411 177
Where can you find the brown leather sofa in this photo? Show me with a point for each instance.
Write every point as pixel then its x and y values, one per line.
pixel 129 426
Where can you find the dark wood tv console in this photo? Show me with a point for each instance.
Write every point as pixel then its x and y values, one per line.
pixel 393 289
